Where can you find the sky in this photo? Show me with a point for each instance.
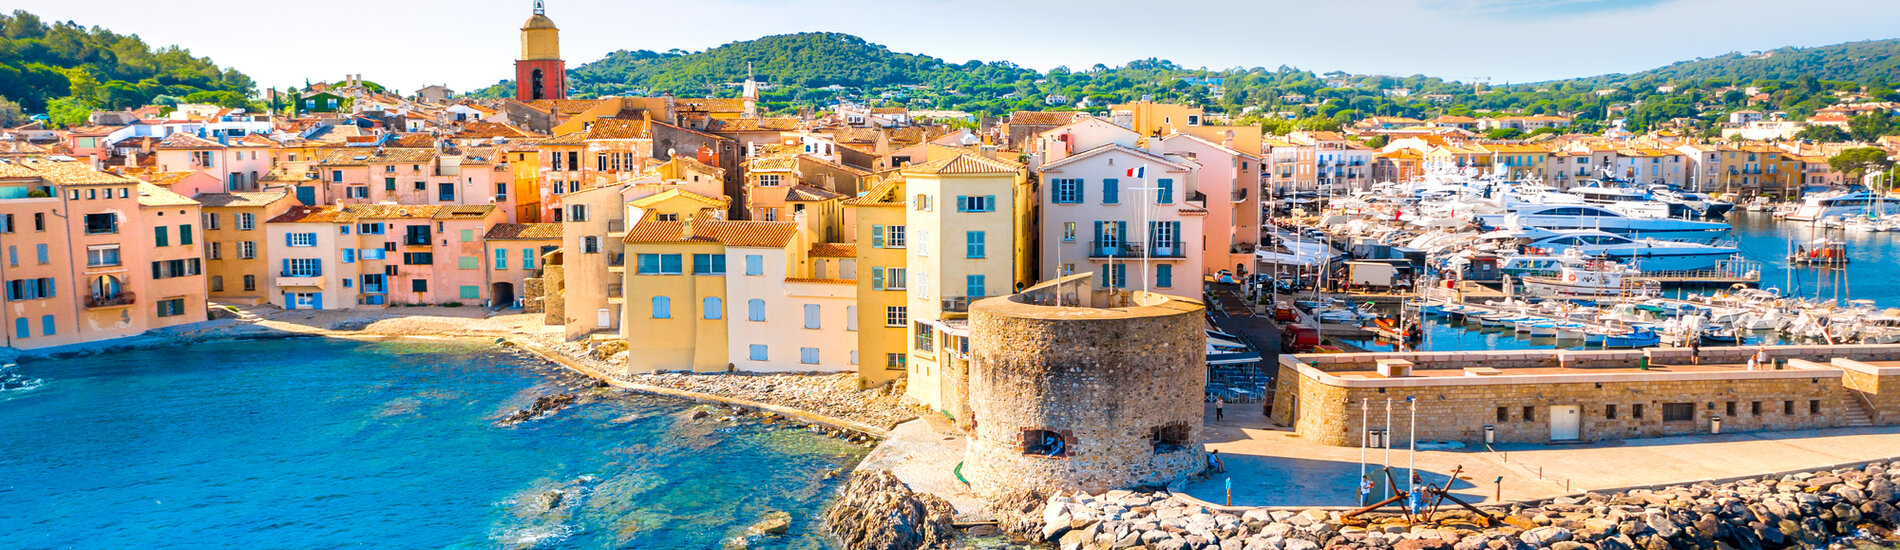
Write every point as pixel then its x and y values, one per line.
pixel 469 44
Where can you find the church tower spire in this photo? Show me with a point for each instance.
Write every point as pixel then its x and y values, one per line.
pixel 539 72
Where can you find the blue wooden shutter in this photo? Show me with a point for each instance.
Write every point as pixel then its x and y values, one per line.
pixel 1166 193
pixel 1111 192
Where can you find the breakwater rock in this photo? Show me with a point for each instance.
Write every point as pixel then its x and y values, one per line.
pixel 543 406
pixel 876 511
pixel 1804 510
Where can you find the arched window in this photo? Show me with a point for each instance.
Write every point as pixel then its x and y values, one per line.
pixel 662 307
pixel 755 310
pixel 536 85
pixel 713 309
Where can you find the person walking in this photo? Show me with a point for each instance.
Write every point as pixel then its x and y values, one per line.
pixel 1220 412
pixel 1761 357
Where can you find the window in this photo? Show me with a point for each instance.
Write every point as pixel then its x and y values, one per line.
pixel 894 236
pixel 1530 413
pixel 709 264
pixel 19 328
pixel 102 224
pixel 1787 408
pixel 813 316
pixel 1814 406
pixel 422 185
pixel 1169 438
pixel 300 239
pixel 211 221
pixel 894 278
pixel 754 264
pixel 250 282
pixel 1729 409
pixel 501 191
pixel 40 254
pixel 1679 412
pixel 166 269
pixel 768 180
pixel 1114 276
pixel 418 258
pixel 246 221
pixel 1068 191
pixel 1164 195
pixel 755 310
pixel 48 326
pixel 171 308
pixel 419 285
pixel 577 213
pixel 923 203
pixel 217 283
pixel 973 245
pixel 214 250
pixel 1111 191
pixel 247 250
pixel 712 308
pixel 894 361
pixel 657 264
pixel 1164 275
pixel 1044 443
pixel 591 245
pixel 756 352
pixel 973 286
pixel 986 203
pixel 467 292
pixel 356 192
pixel 527 258
pixel 894 316
pixel 808 356
pixel 389 184
pixel 501 258
pixel 303 267
pixel 924 336
pixel 1609 411
pixel 468 262
pixel 31 289
pixel 1636 411
pixel 1754 408
pixel 1068 232
pixel 1504 414
pixel 102 256
pixel 877 236
pixel 851 318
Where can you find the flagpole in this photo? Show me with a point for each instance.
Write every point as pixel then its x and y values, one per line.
pixel 1147 231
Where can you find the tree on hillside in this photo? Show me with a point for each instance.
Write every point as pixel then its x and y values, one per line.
pixel 1504 133
pixel 1822 133
pixel 1858 161
pixel 11 114
pixel 1871 126
pixel 67 112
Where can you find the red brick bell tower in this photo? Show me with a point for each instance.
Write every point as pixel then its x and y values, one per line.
pixel 540 73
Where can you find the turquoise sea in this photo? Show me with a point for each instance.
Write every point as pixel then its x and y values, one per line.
pixel 321 443
pixel 1872 274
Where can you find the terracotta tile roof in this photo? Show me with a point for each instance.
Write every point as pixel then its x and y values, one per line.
pixel 965 164
pixel 571 138
pixel 890 192
pixel 20 147
pixel 710 104
pixel 13 171
pixel 705 229
pixel 71 173
pixel 181 140
pixel 663 196
pixel 152 195
pixel 753 124
pixel 564 107
pixel 411 140
pixel 168 179
pixel 346 157
pixel 524 232
pixel 822 281
pixel 486 130
pixel 254 140
pixel 617 128
pixel 834 250
pixel 1045 118
pixel 238 200
pixel 806 193
pixel 463 212
pixel 312 214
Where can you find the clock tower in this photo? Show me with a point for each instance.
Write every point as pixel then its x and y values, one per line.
pixel 540 73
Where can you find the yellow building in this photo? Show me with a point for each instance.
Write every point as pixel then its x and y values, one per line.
pixel 676 205
pixel 666 319
pixel 883 315
pixel 1520 161
pixel 236 269
pixel 959 211
pixel 1162 119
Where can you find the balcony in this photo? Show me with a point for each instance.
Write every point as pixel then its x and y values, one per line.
pixel 1136 249
pixel 98 301
pixel 415 240
pixel 289 280
pixel 958 304
pixel 617 228
pixel 26 192
pixel 1240 195
pixel 615 295
pixel 616 263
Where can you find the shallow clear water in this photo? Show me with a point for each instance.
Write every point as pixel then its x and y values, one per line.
pixel 1872 274
pixel 319 443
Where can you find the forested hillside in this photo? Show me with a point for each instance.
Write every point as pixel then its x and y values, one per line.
pixel 67 70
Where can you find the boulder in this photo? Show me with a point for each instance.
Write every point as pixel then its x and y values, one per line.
pixel 775 522
pixel 1544 536
pixel 877 511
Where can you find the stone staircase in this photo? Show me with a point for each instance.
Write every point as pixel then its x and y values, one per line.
pixel 1855 412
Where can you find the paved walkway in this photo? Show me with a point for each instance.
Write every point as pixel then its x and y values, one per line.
pixel 1274 467
pixel 924 453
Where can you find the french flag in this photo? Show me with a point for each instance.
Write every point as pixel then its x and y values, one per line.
pixel 1138 172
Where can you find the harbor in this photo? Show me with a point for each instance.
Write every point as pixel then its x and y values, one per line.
pixel 1462 261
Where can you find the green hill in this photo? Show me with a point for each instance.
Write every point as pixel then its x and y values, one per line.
pixel 68 69
pixel 1873 61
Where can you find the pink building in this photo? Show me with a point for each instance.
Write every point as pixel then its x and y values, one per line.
pixel 373 255
pixel 236 162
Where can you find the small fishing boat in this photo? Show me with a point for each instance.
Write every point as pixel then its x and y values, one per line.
pixel 1641 337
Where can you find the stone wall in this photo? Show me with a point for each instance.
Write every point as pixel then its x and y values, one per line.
pixel 1877 387
pixel 533 295
pixel 1334 362
pixel 554 298
pixel 1458 409
pixel 1103 378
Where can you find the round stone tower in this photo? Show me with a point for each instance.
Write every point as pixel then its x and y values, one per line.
pixel 1080 389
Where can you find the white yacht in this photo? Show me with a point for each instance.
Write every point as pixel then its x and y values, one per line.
pixel 1647 255
pixel 1844 204
pixel 1561 218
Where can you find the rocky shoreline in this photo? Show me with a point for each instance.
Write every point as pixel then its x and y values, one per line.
pixel 1831 508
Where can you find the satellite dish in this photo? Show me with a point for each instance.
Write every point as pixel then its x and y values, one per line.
pixel 670 152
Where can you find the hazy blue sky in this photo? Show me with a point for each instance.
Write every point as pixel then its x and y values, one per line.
pixel 468 44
